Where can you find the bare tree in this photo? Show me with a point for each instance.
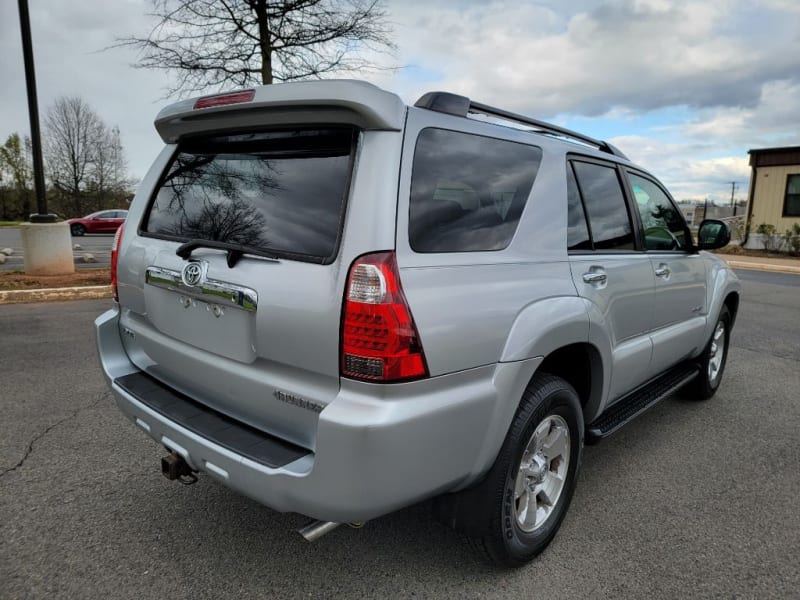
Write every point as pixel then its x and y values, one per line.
pixel 72 133
pixel 85 159
pixel 109 169
pixel 236 43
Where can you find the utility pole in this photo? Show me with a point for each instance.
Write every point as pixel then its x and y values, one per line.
pixel 733 190
pixel 33 113
pixel 46 243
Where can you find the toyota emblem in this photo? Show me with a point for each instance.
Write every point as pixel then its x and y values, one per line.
pixel 192 274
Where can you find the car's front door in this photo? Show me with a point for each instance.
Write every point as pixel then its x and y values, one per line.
pixel 680 310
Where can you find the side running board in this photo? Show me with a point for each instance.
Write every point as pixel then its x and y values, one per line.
pixel 639 400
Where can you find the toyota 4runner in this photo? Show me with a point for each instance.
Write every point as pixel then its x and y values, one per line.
pixel 340 305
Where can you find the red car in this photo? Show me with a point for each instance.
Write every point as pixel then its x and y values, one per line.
pixel 104 221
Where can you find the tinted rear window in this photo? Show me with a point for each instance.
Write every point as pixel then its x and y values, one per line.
pixel 279 193
pixel 468 191
pixel 605 203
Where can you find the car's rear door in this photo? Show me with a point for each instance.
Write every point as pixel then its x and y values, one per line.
pixel 119 219
pixel 609 269
pixel 105 222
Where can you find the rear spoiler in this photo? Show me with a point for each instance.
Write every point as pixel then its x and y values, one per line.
pixel 308 102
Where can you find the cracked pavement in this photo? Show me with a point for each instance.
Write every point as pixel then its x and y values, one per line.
pixel 49 428
pixel 49 371
pixel 690 500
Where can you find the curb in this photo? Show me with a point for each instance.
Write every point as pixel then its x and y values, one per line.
pixel 52 294
pixel 735 264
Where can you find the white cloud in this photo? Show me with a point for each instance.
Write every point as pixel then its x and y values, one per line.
pixel 775 120
pixel 641 55
pixel 682 168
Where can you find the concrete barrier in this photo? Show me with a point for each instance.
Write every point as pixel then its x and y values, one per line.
pixel 47 248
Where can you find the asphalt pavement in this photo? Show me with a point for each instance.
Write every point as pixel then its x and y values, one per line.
pixel 96 244
pixel 693 499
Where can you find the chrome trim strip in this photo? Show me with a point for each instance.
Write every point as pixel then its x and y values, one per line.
pixel 210 290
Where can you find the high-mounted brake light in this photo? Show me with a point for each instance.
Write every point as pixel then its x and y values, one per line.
pixel 379 339
pixel 114 258
pixel 223 99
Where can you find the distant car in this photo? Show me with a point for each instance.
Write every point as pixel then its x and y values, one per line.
pixel 104 221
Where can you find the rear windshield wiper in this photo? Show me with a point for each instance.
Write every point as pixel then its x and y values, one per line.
pixel 235 251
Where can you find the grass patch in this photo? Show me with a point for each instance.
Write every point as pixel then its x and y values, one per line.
pixel 17 280
pixel 735 250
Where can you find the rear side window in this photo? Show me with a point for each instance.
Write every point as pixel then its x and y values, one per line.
pixel 281 193
pixel 468 191
pixel 605 206
pixel 577 231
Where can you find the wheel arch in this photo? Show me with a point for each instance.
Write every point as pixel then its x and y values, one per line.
pixel 732 303
pixel 550 335
pixel 580 365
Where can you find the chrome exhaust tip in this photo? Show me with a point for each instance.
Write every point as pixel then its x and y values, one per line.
pixel 316 529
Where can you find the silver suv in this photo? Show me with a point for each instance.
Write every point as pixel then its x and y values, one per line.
pixel 340 305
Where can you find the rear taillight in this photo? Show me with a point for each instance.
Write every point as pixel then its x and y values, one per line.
pixel 224 99
pixel 379 339
pixel 114 257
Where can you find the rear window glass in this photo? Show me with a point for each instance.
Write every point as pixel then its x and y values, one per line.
pixel 279 193
pixel 605 205
pixel 468 191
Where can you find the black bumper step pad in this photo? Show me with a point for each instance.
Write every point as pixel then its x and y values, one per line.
pixel 638 401
pixel 210 424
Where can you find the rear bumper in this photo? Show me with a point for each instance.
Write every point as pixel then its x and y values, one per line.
pixel 378 447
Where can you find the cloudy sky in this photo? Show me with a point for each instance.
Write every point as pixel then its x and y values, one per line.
pixel 684 88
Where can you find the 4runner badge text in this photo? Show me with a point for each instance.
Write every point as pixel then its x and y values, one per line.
pixel 298 401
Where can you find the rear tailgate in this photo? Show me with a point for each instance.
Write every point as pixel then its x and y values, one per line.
pixel 254 334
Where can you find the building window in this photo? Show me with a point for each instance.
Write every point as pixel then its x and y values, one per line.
pixel 791 202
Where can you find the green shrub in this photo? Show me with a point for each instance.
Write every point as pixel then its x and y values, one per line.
pixel 767 232
pixel 792 238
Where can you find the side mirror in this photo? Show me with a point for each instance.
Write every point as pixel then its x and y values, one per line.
pixel 713 234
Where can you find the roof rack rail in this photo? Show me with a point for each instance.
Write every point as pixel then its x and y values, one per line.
pixel 461 106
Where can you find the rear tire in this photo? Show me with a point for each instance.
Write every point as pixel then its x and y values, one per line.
pixel 77 229
pixel 514 513
pixel 712 361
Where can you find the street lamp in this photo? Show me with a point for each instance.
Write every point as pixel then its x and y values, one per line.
pixel 46 243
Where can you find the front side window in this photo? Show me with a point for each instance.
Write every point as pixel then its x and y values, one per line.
pixel 663 225
pixel 791 202
pixel 605 206
pixel 280 193
pixel 468 191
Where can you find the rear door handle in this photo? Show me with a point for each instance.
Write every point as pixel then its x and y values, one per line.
pixel 662 271
pixel 595 277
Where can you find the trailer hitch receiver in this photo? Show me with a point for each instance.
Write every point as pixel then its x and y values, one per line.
pixel 174 467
